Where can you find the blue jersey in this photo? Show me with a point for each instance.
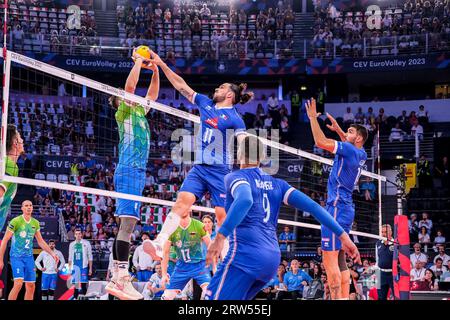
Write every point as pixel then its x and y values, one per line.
pixel 256 235
pixel 213 142
pixel 347 167
pixel 294 281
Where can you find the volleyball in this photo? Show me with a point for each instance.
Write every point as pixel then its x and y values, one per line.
pixel 144 52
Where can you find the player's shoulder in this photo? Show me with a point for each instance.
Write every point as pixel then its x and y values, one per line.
pixel 196 223
pixel 35 221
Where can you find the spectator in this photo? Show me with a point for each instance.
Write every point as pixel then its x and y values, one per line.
pixel 422 115
pixel 396 133
pixel 206 200
pixel 446 275
pixel 62 90
pixel 370 116
pixel 268 122
pixel 413 226
pixel 318 257
pixel 368 188
pixel 149 228
pixel 295 280
pixel 424 173
pixel 417 129
pixel 142 261
pixel 431 280
pixel 349 118
pixel 174 176
pixel 163 174
pixel 276 284
pixel 424 237
pixel 438 268
pixel 439 239
pixel 418 273
pixel 418 256
pixel 205 12
pixel 404 121
pixel 359 117
pixel 286 240
pixel 441 254
pixel 425 222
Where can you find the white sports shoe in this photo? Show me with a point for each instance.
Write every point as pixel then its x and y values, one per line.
pixel 153 248
pixel 123 289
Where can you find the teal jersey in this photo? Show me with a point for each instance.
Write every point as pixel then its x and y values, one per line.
pixel 10 190
pixel 134 136
pixel 188 242
pixel 78 254
pixel 22 240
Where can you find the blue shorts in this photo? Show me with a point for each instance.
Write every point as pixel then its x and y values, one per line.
pixel 23 268
pixel 344 215
pixel 204 178
pixel 144 275
pixel 183 273
pixel 49 281
pixel 131 181
pixel 80 275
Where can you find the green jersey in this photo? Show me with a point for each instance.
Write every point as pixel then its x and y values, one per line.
pixel 24 232
pixel 188 242
pixel 134 136
pixel 10 190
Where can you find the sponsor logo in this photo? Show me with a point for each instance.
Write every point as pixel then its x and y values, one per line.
pixel 224 117
pixel 213 122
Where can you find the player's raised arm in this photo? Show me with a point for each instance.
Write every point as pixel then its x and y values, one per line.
pixel 178 82
pixel 153 89
pixel 133 77
pixel 319 137
pixel 336 128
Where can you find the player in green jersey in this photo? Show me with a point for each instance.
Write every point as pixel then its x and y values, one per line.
pixel 188 242
pixel 129 176
pixel 14 148
pixel 23 229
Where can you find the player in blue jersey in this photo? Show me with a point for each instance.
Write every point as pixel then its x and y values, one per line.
pixel 348 164
pixel 129 176
pixel 213 159
pixel 252 205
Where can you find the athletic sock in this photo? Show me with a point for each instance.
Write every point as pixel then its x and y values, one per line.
pixel 169 226
pixel 122 250
pixel 51 294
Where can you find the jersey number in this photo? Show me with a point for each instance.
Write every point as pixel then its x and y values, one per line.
pixel 266 206
pixel 208 135
pixel 185 254
pixel 27 244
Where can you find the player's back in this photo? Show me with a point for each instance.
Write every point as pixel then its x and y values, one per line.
pixel 347 167
pixel 259 227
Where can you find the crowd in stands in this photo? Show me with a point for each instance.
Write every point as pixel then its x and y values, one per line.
pixel 190 29
pixel 38 26
pixel 401 30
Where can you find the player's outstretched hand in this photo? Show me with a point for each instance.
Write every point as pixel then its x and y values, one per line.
pixel 155 59
pixel 350 248
pixel 334 125
pixel 214 250
pixel 311 108
pixel 164 280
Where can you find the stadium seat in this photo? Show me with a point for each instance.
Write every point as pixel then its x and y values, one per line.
pixel 63 178
pixel 51 177
pixel 39 176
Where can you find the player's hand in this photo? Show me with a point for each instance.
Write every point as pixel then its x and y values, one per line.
pixel 350 248
pixel 54 256
pixel 215 249
pixel 135 56
pixel 90 272
pixel 43 269
pixel 311 109
pixel 147 64
pixel 155 59
pixel 334 125
pixel 304 283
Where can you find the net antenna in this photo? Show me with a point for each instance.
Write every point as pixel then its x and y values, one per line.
pixel 42 67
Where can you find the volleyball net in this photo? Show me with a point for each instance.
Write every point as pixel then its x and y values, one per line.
pixel 71 133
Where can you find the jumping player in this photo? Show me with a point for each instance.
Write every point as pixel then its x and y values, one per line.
pixel 253 203
pixel 129 176
pixel 187 241
pixel 14 148
pixel 213 157
pixel 23 229
pixel 348 162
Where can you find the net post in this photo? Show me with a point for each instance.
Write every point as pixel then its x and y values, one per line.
pixel 5 103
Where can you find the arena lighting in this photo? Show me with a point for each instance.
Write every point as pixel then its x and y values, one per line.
pixel 398 157
pixel 303 88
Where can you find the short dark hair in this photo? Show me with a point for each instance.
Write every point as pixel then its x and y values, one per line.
pixel 208 217
pixel 239 95
pixel 11 133
pixel 362 131
pixel 77 229
pixel 145 233
pixel 51 241
pixel 252 156
pixel 439 259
